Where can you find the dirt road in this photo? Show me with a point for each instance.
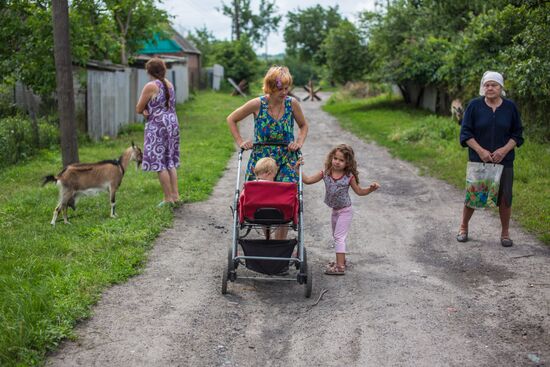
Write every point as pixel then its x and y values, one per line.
pixel 412 297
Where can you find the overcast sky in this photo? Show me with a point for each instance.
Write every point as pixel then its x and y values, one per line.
pixel 191 14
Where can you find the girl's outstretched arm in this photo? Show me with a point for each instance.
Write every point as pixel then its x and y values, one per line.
pixel 363 191
pixel 313 178
pixel 305 178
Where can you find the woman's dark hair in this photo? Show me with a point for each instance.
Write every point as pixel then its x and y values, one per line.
pixel 157 69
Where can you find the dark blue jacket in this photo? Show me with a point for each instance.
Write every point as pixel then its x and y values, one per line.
pixel 491 130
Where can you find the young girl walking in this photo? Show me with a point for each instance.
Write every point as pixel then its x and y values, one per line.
pixel 339 174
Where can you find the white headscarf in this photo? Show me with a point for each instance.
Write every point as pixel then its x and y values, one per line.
pixel 492 76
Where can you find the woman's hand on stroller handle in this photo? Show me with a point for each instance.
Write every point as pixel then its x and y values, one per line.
pixel 293 146
pixel 245 145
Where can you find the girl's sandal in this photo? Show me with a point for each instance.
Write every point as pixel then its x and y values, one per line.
pixel 335 270
pixel 331 264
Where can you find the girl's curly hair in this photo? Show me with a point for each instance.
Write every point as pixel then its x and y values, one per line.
pixel 349 156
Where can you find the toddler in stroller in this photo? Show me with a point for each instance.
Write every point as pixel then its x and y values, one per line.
pixel 267 205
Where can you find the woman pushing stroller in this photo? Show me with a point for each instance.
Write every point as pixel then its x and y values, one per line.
pixel 274 116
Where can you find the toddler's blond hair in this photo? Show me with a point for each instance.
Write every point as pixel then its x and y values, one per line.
pixel 264 166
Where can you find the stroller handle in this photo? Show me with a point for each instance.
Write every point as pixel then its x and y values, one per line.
pixel 269 143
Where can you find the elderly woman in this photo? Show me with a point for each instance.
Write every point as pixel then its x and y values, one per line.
pixel 274 116
pixel 491 128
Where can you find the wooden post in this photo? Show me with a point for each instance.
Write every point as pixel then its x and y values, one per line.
pixel 64 78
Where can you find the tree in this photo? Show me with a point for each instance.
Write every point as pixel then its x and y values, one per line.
pixel 64 77
pixel 135 21
pixel 255 26
pixel 306 30
pixel 204 40
pixel 241 16
pixel 345 53
pixel 27 37
pixel 237 57
pixel 267 22
pixel 528 67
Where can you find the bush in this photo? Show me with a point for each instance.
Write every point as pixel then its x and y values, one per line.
pixel 238 59
pixel 428 129
pixel 17 140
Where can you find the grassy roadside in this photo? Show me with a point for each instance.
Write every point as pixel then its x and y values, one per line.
pixel 49 277
pixel 431 143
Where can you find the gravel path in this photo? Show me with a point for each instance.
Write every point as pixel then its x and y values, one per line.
pixel 412 297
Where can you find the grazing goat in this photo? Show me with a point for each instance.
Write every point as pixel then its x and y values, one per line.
pixel 457 111
pixel 82 178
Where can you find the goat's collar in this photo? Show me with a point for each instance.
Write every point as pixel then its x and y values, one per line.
pixel 119 163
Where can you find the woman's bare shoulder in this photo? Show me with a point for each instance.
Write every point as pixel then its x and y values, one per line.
pixel 294 102
pixel 253 104
pixel 151 86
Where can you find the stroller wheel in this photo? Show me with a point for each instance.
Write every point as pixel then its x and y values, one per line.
pixel 304 276
pixel 224 281
pixel 296 263
pixel 229 271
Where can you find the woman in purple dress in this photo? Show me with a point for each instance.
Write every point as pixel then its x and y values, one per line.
pixel 161 144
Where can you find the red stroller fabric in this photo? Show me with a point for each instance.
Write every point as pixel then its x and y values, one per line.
pixel 269 194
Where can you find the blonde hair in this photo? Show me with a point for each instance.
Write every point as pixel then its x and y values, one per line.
pixel 275 78
pixel 265 165
pixel 349 156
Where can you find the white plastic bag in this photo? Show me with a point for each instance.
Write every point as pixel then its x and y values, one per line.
pixel 482 184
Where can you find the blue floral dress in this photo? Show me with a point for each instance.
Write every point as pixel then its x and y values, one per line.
pixel 267 129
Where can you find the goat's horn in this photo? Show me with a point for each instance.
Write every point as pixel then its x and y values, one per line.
pixel 133 146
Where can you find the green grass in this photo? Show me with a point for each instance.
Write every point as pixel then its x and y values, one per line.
pixel 49 277
pixel 431 143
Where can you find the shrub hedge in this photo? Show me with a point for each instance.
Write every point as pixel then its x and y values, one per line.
pixel 17 138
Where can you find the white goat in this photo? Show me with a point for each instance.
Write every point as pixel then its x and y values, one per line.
pixel 82 178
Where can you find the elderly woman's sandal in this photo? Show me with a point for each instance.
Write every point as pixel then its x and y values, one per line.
pixel 506 242
pixel 462 235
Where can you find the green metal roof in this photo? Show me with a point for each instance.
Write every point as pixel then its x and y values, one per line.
pixel 158 46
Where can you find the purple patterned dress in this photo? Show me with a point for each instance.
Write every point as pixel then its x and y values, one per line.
pixel 161 146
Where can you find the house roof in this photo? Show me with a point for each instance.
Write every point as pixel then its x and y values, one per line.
pixel 176 44
pixel 160 46
pixel 185 44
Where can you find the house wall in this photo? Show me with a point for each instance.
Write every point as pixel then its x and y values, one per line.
pixel 193 64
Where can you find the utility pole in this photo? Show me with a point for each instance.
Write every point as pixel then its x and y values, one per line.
pixel 64 79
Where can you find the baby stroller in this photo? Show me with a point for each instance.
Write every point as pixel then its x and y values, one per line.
pixel 264 206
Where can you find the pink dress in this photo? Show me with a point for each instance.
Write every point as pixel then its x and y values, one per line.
pixel 161 146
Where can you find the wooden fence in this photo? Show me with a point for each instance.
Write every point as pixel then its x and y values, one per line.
pixel 112 97
pixel 108 100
